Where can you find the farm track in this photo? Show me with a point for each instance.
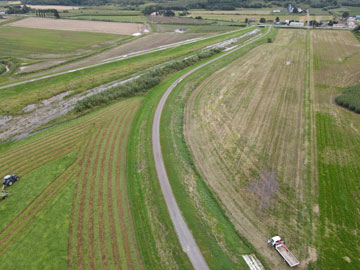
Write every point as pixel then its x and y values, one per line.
pixel 102 200
pixel 185 236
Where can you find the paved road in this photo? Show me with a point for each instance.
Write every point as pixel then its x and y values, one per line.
pixel 121 57
pixel 187 241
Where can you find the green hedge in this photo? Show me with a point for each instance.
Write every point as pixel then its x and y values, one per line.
pixel 350 98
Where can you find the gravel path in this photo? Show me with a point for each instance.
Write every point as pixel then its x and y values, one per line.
pixel 187 241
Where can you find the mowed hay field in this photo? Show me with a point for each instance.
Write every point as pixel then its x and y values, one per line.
pixel 22 42
pixel 82 26
pixel 70 209
pixel 281 157
pixel 245 128
pixel 337 135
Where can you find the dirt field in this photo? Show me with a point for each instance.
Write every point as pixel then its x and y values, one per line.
pixel 53 7
pixel 83 26
pixel 245 128
pixel 163 19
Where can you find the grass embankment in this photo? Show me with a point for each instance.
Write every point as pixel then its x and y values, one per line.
pixel 111 18
pixel 338 150
pixel 70 208
pixel 350 98
pixel 218 240
pixel 12 99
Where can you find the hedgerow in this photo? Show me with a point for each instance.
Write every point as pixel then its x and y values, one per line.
pixel 142 84
pixel 350 98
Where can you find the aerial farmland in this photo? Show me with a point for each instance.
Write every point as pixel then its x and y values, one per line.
pixel 179 135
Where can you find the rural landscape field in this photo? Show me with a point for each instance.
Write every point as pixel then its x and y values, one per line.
pixel 180 135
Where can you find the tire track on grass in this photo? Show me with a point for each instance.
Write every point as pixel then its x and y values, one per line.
pixel 185 237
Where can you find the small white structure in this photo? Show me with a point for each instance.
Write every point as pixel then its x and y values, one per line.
pixel 301 24
pixel 276 11
pixel 2 12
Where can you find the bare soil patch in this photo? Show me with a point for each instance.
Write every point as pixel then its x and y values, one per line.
pixel 53 7
pixel 82 26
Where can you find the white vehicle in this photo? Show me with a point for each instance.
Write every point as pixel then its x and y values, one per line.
pixel 284 252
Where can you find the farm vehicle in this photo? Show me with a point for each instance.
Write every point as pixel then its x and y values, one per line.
pixel 9 180
pixel 284 252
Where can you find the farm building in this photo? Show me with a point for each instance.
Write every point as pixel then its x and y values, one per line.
pixel 253 19
pixel 2 12
pixel 351 25
pixel 296 24
pixel 339 25
pixel 276 11
pixel 357 17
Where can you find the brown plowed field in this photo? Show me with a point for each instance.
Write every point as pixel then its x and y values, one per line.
pixel 82 26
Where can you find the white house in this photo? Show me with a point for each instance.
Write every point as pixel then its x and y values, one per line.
pixel 296 24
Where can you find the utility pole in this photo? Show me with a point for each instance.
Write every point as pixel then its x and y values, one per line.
pixel 308 17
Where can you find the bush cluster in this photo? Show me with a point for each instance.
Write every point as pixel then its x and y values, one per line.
pixel 350 98
pixel 141 85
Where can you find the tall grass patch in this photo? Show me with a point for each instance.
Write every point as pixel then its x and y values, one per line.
pixel 350 98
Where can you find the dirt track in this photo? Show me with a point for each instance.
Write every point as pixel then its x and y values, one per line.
pixel 186 239
pixel 82 26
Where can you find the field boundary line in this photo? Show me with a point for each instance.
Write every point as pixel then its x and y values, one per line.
pixel 186 238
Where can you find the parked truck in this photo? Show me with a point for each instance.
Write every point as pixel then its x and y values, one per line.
pixel 284 252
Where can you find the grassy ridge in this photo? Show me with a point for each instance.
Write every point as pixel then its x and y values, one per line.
pixel 14 98
pixel 350 98
pixel 144 185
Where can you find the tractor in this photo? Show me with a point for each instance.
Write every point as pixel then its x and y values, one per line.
pixel 9 180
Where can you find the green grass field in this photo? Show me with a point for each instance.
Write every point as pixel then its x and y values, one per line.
pixel 194 28
pixel 21 42
pixel 71 208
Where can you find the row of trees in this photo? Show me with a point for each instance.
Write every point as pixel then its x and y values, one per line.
pixel 47 13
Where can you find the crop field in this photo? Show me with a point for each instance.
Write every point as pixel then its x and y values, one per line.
pixel 338 149
pixel 244 126
pixel 58 7
pixel 257 11
pixel 26 42
pixel 194 28
pixel 269 140
pixel 71 207
pixel 82 26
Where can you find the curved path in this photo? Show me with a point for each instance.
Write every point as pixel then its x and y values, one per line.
pixel 187 241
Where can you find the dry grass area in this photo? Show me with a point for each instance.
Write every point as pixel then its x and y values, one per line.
pixel 82 26
pixel 245 128
pixel 229 12
pixel 53 7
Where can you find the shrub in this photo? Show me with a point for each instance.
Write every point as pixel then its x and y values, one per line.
pixel 350 98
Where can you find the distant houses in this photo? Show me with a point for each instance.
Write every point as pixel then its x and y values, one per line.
pixel 300 24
